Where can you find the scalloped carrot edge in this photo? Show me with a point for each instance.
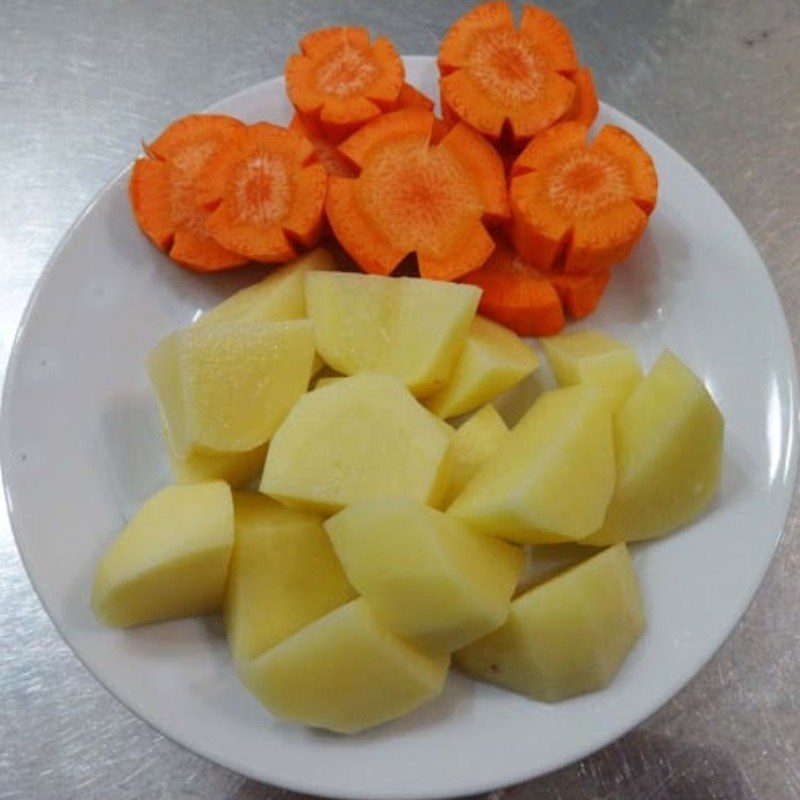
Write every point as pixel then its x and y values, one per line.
pixel 508 82
pixel 342 80
pixel 578 206
pixel 414 196
pixel 517 295
pixel 265 190
pixel 163 186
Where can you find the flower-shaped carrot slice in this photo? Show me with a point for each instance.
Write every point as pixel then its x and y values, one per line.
pixel 577 206
pixel 585 107
pixel 412 196
pixel 266 192
pixel 517 295
pixel 343 80
pixel 163 190
pixel 497 76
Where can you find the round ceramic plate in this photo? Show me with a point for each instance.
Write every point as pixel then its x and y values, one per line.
pixel 81 450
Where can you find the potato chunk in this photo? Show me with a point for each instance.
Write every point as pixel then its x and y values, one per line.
pixel 283 575
pixel 473 443
pixel 410 328
pixel 279 297
pixel 668 437
pixel 359 437
pixel 345 672
pixel 171 560
pixel 424 574
pixel 227 387
pixel 568 635
pixel 591 357
pixel 492 360
pixel 552 479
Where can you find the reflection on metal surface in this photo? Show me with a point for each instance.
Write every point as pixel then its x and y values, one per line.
pixel 81 83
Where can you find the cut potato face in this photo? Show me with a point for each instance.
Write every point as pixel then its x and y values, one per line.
pixel 227 387
pixel 283 575
pixel 357 438
pixel 492 360
pixel 407 327
pixel 668 437
pixel 170 561
pixel 567 636
pixel 473 443
pixel 279 297
pixel 591 357
pixel 425 575
pixel 236 469
pixel 552 479
pixel 345 672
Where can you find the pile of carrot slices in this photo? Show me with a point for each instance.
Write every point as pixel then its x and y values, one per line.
pixel 507 190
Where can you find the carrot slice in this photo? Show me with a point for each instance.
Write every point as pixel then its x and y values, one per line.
pixel 550 36
pixel 163 189
pixel 586 106
pixel 498 78
pixel 412 196
pixel 580 294
pixel 327 152
pixel 641 171
pixel 517 295
pixel 266 193
pixel 410 97
pixel 577 206
pixel 342 80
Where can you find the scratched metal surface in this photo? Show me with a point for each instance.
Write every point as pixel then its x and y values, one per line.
pixel 81 82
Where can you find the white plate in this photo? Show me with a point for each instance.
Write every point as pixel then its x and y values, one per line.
pixel 80 450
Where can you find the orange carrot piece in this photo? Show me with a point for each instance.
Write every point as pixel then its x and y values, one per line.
pixel 499 78
pixel 440 130
pixel 641 171
pixel 550 36
pixel 580 207
pixel 413 196
pixel 411 97
pixel 163 189
pixel 586 106
pixel 266 193
pixel 580 293
pixel 327 152
pixel 342 80
pixel 517 295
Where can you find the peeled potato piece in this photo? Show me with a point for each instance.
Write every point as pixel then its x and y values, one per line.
pixel 345 672
pixel 412 329
pixel 425 575
pixel 492 360
pixel 591 357
pixel 279 297
pixel 668 438
pixel 283 575
pixel 552 479
pixel 359 437
pixel 171 560
pixel 566 636
pixel 473 443
pixel 226 387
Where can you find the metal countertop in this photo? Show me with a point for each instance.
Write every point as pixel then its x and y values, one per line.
pixel 82 82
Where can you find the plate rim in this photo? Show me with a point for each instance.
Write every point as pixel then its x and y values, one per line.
pixel 306 784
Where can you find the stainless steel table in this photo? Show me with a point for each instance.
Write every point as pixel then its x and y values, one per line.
pixel 81 82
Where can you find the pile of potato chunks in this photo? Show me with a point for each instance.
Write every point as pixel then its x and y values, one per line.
pixel 384 542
